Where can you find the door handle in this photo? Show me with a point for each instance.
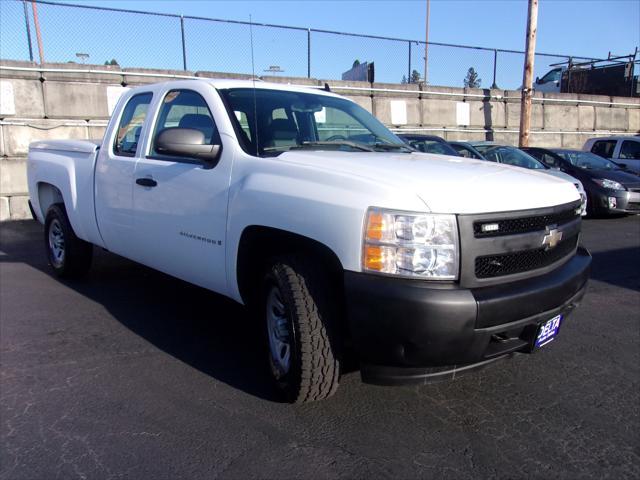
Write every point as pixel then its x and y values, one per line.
pixel 146 182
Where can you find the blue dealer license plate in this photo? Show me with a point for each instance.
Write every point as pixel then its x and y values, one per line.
pixel 548 331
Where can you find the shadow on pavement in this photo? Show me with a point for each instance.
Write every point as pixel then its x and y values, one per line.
pixel 207 331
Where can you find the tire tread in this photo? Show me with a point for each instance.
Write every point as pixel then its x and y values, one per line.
pixel 315 323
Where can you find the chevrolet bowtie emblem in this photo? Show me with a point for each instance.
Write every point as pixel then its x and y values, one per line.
pixel 552 238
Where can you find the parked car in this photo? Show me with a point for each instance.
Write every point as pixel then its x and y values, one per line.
pixel 465 149
pixel 623 150
pixel 513 156
pixel 609 188
pixel 428 268
pixel 429 144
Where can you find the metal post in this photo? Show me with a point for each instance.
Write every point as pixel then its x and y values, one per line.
pixel 495 63
pixel 184 46
pixel 36 23
pixel 409 69
pixel 26 22
pixel 527 76
pixel 308 53
pixel 426 45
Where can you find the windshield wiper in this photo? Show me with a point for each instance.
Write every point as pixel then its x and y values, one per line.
pixel 394 146
pixel 336 143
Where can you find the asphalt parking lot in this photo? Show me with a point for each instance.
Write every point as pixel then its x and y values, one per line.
pixel 133 374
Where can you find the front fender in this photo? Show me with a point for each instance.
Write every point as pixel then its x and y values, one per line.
pixel 327 207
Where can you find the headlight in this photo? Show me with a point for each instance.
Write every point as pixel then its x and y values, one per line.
pixel 411 244
pixel 610 184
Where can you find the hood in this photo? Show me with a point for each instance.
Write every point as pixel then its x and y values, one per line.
pixel 620 176
pixel 447 184
pixel 562 175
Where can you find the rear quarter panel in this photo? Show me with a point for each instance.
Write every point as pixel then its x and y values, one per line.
pixel 69 167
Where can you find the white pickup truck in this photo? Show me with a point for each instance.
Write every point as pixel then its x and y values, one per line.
pixel 299 203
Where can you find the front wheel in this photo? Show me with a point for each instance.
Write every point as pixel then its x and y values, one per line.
pixel 69 256
pixel 302 330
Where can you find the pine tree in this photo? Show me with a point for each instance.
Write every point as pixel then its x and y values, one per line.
pixel 472 80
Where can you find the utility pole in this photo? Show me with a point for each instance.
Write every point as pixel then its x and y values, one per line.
pixel 527 77
pixel 426 45
pixel 36 24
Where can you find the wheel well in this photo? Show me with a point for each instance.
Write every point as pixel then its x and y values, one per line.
pixel 259 244
pixel 47 196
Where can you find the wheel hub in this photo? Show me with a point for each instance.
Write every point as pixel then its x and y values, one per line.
pixel 56 243
pixel 279 333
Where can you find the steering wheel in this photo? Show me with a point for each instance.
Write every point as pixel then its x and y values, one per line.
pixel 335 137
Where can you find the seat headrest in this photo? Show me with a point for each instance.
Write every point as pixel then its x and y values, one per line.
pixel 196 121
pixel 283 129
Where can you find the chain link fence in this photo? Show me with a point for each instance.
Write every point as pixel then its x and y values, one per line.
pixel 97 35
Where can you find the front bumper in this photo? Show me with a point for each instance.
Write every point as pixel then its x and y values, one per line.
pixel 408 331
pixel 616 201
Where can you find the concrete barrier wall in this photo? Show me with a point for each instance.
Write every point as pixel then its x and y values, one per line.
pixel 61 104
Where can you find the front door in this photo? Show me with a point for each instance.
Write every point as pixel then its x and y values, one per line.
pixel 180 204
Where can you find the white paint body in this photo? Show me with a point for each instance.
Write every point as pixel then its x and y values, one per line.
pixel 322 195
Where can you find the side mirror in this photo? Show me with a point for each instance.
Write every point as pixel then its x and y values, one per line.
pixel 187 142
pixel 537 79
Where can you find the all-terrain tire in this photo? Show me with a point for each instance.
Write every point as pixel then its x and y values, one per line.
pixel 312 312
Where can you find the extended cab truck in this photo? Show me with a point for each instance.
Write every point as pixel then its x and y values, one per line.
pixel 302 205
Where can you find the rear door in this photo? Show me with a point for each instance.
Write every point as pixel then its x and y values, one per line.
pixel 114 175
pixel 180 204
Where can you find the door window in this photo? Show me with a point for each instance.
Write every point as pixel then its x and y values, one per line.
pixel 604 148
pixel 185 109
pixel 552 76
pixel 630 149
pixel 130 127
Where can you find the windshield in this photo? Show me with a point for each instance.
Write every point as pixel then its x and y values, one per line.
pixel 513 156
pixel 465 151
pixel 269 122
pixel 428 145
pixel 588 161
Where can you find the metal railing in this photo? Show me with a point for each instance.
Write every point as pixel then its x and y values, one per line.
pixel 132 38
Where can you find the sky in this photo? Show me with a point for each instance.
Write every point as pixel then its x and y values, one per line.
pixel 591 28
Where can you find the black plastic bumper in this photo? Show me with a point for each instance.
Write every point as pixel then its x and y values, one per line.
pixel 407 331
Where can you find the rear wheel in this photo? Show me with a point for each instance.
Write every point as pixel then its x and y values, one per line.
pixel 69 256
pixel 302 330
